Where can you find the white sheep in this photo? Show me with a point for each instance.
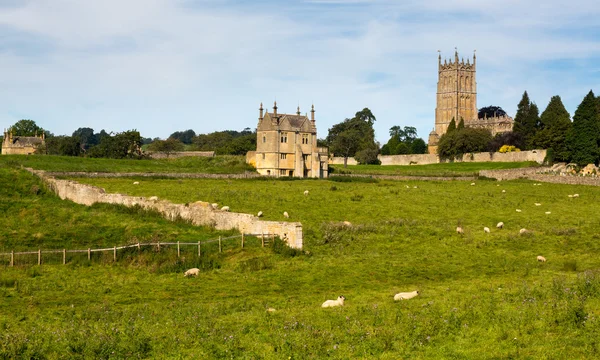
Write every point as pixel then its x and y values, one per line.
pixel 286 215
pixel 347 223
pixel 500 225
pixel 260 214
pixel 136 183
pixel 523 231
pixel 575 195
pixel 305 192
pixel 538 204
pixel 192 272
pixel 153 198
pixel 503 191
pixel 459 230
pixel 225 208
pixel 541 258
pixel 518 210
pixel 486 230
pixel 406 295
pixel 472 184
pixel 271 310
pixel 570 196
pixel 214 205
pixel 333 303
pixel 548 213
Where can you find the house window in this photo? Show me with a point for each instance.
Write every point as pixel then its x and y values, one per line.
pixel 282 172
pixel 284 137
pixel 268 172
pixel 283 156
pixel 304 138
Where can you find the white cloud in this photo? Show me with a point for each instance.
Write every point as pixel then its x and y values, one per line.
pixel 161 66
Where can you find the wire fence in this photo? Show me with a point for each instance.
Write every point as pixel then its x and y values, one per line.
pixel 56 256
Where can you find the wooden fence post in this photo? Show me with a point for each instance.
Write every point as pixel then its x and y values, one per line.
pixel 262 239
pixel 219 244
pixel 64 256
pixel 12 258
pixel 115 253
pixel 139 248
pixel 158 246
pixel 199 253
pixel 178 253
pixel 242 240
pixel 272 239
pixel 39 256
pixel 89 254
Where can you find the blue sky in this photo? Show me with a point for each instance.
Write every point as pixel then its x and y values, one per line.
pixel 160 66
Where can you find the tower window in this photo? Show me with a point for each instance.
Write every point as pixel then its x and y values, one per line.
pixel 284 137
pixel 304 138
pixel 263 156
pixel 264 138
pixel 283 156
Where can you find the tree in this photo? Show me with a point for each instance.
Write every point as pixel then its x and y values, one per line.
pixel 461 124
pixel 463 141
pixel 555 123
pixel 527 120
pixel 508 138
pixel 167 147
pixel 352 135
pixel 120 146
pixel 61 145
pixel 582 139
pixel 451 126
pixel 490 112
pixel 185 137
pixel 229 142
pixel 367 157
pixel 86 137
pixel 403 141
pixel 419 146
pixel 26 127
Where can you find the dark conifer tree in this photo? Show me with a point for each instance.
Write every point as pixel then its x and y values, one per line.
pixel 451 126
pixel 582 140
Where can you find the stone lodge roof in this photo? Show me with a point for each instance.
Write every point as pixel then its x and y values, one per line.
pixel 27 140
pixel 296 121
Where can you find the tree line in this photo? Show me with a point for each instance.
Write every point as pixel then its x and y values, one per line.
pixel 575 141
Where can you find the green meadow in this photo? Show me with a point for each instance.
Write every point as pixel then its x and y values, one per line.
pixel 228 164
pixel 442 169
pixel 482 295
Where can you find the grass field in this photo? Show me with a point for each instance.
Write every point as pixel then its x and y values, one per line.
pixel 210 165
pixel 444 169
pixel 482 295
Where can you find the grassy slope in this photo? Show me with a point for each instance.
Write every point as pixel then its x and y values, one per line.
pixel 483 296
pixel 446 169
pixel 214 165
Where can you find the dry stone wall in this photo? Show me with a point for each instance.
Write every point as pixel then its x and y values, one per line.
pixel 198 213
pixel 541 174
pixel 424 159
pixel 178 154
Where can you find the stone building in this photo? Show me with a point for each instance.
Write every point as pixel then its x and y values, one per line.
pixel 21 145
pixel 286 145
pixel 457 99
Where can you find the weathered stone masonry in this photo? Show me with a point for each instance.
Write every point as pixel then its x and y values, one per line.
pixel 198 213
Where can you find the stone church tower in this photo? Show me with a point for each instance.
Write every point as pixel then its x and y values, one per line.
pixel 457 99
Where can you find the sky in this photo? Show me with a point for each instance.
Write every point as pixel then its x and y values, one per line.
pixel 161 66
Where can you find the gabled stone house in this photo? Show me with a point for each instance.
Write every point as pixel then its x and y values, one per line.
pixel 21 145
pixel 286 145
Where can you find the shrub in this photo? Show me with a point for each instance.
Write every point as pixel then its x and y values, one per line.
pixel 368 157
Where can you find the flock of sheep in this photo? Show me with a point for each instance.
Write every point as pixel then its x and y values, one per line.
pixel 400 296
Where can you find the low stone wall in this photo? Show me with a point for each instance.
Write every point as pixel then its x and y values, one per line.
pixel 541 174
pixel 160 155
pixel 412 159
pixel 198 213
pixel 424 159
pixel 245 175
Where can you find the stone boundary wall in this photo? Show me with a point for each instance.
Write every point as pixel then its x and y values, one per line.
pixel 198 213
pixel 246 175
pixel 424 159
pixel 408 177
pixel 178 154
pixel 539 174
